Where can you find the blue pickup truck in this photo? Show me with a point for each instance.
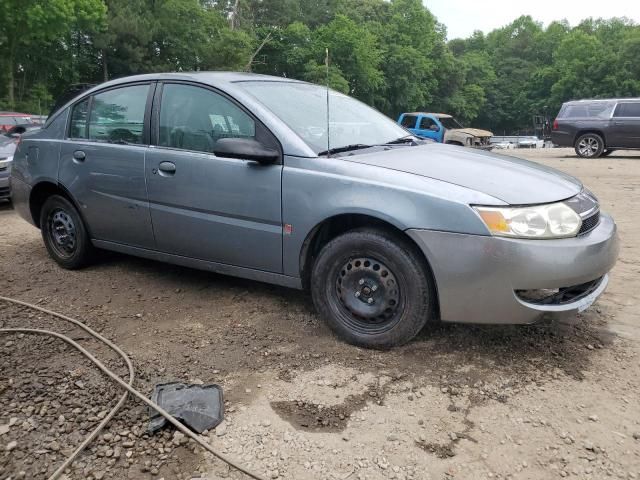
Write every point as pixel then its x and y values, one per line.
pixel 443 128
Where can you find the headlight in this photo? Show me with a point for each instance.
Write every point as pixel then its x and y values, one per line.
pixel 555 220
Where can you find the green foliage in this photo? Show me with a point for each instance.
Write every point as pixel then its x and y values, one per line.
pixel 392 54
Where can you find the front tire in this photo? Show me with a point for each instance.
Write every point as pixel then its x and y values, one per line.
pixel 372 288
pixel 607 152
pixel 589 145
pixel 64 233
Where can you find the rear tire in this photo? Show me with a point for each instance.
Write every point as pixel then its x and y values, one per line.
pixel 372 288
pixel 589 145
pixel 65 234
pixel 607 152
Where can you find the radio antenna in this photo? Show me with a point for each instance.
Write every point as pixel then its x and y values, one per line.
pixel 326 63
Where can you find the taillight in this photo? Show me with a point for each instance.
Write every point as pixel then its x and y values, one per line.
pixel 555 124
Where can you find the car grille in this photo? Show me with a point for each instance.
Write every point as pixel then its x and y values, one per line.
pixel 4 192
pixel 3 168
pixel 589 223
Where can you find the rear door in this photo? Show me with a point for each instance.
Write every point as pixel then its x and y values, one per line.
pixel 224 210
pixel 625 128
pixel 102 163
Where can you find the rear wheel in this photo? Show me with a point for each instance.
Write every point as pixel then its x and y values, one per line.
pixel 372 289
pixel 589 145
pixel 64 233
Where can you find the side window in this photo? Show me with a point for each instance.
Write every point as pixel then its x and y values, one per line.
pixel 426 123
pixel 409 121
pixel 118 115
pixel 628 110
pixel 193 118
pixel 78 129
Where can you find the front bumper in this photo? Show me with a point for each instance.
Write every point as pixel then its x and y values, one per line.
pixel 477 276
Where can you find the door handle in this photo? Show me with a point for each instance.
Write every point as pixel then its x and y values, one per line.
pixel 167 168
pixel 79 156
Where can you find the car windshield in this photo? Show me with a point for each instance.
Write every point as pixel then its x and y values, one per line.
pixel 450 123
pixel 303 107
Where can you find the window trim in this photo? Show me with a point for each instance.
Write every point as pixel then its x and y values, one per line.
pixel 618 105
pixel 155 120
pixel 146 121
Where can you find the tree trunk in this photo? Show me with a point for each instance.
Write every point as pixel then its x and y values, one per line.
pixel 105 67
pixel 10 79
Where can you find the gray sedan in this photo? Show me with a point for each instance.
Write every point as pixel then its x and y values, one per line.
pixel 251 176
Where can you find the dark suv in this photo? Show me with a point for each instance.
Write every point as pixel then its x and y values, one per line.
pixel 598 127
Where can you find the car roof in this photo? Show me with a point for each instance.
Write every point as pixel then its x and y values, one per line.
pixel 210 78
pixel 214 78
pixel 438 115
pixel 593 100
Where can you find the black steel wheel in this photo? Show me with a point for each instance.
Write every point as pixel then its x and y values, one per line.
pixel 64 233
pixel 372 288
pixel 589 145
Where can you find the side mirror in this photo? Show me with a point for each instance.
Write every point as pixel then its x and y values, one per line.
pixel 434 128
pixel 245 149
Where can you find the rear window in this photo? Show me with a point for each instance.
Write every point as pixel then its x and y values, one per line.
pixel 588 110
pixel 628 110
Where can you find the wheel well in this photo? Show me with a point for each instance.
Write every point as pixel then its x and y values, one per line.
pixel 590 130
pixel 39 195
pixel 332 227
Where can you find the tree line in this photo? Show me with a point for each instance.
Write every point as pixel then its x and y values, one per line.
pixel 393 54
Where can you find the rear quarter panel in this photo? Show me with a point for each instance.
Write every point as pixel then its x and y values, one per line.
pixel 36 161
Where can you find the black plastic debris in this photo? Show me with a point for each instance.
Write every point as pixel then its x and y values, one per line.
pixel 200 407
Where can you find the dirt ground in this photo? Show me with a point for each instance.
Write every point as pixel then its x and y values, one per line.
pixel 463 402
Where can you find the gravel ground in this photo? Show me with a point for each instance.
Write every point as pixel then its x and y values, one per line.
pixel 467 402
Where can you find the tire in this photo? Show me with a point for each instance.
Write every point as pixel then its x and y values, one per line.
pixel 607 152
pixel 65 234
pixel 372 289
pixel 589 145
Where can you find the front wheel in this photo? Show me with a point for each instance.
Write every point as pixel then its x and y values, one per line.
pixel 372 288
pixel 64 233
pixel 589 145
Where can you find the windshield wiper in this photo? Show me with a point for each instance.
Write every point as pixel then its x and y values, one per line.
pixel 405 139
pixel 346 148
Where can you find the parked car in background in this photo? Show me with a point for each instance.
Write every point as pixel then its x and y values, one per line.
pixel 597 128
pixel 8 143
pixel 17 130
pixel 443 128
pixel 516 141
pixel 11 119
pixel 7 149
pixel 231 172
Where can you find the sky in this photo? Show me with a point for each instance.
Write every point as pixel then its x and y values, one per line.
pixel 462 17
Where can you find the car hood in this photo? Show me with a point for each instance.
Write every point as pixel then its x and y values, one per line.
pixel 512 180
pixel 476 132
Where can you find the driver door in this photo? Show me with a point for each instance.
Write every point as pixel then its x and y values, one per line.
pixel 428 128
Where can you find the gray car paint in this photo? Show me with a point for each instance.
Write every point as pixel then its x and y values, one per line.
pixel 234 226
